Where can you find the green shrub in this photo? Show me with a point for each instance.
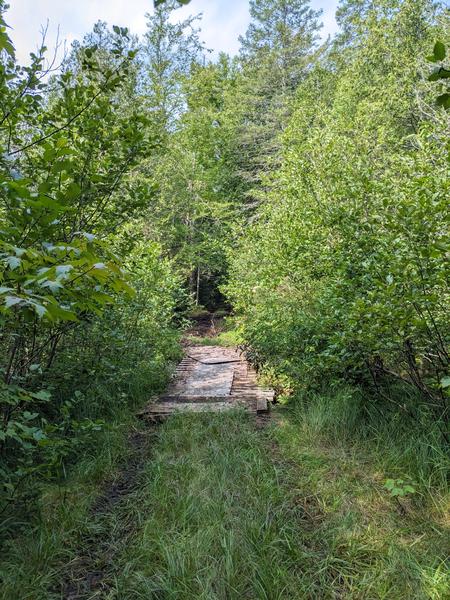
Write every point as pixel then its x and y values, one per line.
pixel 343 275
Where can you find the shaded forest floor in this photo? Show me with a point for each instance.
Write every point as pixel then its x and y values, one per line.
pixel 223 506
pixel 211 329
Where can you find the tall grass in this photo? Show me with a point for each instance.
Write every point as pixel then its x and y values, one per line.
pixel 224 511
pixel 94 402
pixel 407 443
pixel 216 519
pixel 34 554
pixel 227 512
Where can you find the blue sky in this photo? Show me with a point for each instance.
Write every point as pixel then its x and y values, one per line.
pixel 223 20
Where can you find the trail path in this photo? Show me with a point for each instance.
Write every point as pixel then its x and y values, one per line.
pixel 208 379
pixel 211 379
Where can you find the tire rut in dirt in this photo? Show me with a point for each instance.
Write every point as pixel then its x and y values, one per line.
pixel 88 575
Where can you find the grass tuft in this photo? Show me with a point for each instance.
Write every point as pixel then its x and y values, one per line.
pixel 222 510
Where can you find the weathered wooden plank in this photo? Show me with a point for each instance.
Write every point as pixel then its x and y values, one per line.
pixel 262 405
pixel 186 398
pixel 211 379
pixel 165 409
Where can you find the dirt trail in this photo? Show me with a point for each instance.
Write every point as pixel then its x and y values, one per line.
pixel 88 573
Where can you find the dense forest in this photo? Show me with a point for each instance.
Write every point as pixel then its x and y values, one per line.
pixel 301 188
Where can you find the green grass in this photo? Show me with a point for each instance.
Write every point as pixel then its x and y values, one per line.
pixel 198 311
pixel 225 511
pixel 224 338
pixel 31 563
pixel 228 334
pixel 380 548
pixel 216 519
pixel 51 523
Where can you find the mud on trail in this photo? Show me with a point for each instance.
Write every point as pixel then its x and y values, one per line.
pixel 87 576
pixel 205 325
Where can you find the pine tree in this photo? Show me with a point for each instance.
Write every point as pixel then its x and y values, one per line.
pixel 281 36
pixel 170 49
pixel 276 54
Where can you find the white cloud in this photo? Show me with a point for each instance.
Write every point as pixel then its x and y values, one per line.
pixel 223 20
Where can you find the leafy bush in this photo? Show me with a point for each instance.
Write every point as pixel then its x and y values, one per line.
pixel 84 332
pixel 344 274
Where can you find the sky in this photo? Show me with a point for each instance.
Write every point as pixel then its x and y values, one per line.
pixel 223 20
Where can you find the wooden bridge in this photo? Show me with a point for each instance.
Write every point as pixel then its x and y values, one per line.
pixel 211 379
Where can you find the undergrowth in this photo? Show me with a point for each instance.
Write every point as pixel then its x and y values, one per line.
pixel 31 562
pixel 389 546
pixel 225 333
pixel 225 510
pixel 406 444
pixel 44 525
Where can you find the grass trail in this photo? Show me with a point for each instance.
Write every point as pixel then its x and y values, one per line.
pixel 216 520
pixel 223 511
pixel 229 512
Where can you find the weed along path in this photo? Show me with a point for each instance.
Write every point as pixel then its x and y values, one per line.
pixel 211 379
pixel 210 506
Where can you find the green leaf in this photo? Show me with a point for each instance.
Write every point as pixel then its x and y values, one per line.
pixel 445 381
pixel 63 270
pixel 13 262
pixel 54 286
pixel 58 313
pixel 39 435
pixel 439 73
pixel 5 44
pixel 49 153
pixel 12 301
pixel 434 75
pixel 439 51
pixel 73 191
pixel 29 416
pixel 443 100
pixel 39 309
pixel 41 395
pixel 444 73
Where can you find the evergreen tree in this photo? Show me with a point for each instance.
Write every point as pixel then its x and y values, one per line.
pixel 280 38
pixel 277 52
pixel 170 49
